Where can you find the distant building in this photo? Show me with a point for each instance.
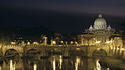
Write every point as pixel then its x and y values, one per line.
pixel 100 33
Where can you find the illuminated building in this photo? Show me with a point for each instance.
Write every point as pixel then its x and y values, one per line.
pixel 100 34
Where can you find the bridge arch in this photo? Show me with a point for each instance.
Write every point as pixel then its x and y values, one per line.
pixel 55 52
pixel 11 53
pixel 99 52
pixel 77 53
pixel 32 52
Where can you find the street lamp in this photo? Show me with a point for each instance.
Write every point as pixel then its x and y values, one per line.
pixel 71 42
pixel 28 43
pixel 62 42
pixel 54 42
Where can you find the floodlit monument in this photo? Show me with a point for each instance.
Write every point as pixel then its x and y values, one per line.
pixel 100 34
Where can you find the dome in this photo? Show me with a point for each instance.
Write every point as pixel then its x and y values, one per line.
pixel 100 23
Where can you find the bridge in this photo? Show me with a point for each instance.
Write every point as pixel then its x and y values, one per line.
pixel 64 50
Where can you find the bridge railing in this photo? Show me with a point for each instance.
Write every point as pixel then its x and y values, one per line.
pixel 45 45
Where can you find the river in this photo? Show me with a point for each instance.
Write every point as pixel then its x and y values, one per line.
pixel 57 62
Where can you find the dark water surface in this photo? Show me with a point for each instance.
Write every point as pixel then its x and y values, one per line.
pixel 57 62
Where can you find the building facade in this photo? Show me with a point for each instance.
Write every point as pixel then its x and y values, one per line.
pixel 100 34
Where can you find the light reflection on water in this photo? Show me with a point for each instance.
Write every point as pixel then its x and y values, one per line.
pixel 35 67
pixel 98 66
pixel 54 62
pixel 77 63
pixel 12 65
pixel 0 68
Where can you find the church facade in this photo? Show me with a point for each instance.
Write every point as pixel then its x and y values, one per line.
pixel 100 34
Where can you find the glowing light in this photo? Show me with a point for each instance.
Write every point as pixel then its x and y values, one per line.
pixel 35 67
pixel 13 43
pixel 54 64
pixel 107 68
pixel 97 42
pixel 98 66
pixel 71 42
pixel 62 42
pixel 35 43
pixel 0 68
pixel 28 43
pixel 76 42
pixel 117 48
pixel 122 49
pixel 54 42
pixel 77 63
pixel 111 47
pixel 77 48
pixel 109 41
pixel 60 62
pixel 12 66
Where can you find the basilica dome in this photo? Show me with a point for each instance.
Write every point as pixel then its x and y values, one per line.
pixel 100 23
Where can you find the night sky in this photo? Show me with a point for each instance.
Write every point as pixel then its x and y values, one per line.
pixel 65 16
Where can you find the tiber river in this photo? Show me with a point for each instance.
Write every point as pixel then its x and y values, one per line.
pixel 57 62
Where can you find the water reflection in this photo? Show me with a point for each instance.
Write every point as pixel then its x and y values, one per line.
pixel 54 62
pixel 57 61
pixel 12 65
pixel 34 67
pixel 0 67
pixel 77 63
pixel 98 66
pixel 60 62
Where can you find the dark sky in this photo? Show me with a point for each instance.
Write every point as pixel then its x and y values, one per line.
pixel 61 15
pixel 111 7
